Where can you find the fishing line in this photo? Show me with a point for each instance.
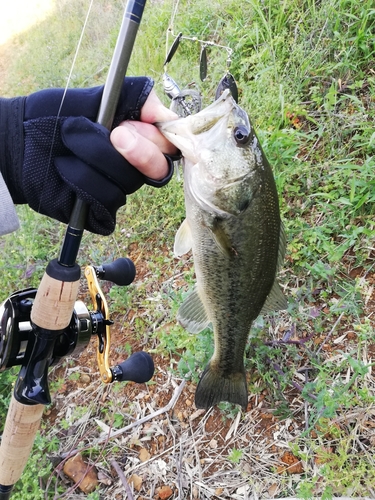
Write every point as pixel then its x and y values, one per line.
pixel 28 257
pixel 180 36
pixel 171 24
pixel 30 242
pixel 75 58
pixel 64 95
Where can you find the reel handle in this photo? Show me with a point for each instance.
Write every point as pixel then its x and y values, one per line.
pixel 139 368
pixel 120 272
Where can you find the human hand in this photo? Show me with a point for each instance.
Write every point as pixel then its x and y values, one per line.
pixel 142 144
pixel 52 151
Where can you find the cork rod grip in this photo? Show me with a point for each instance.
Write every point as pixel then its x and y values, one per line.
pixel 21 426
pixel 54 303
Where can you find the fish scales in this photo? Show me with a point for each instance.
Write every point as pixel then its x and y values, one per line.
pixel 233 227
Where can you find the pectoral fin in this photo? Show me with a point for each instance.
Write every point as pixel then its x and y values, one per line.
pixel 183 240
pixel 221 239
pixel 192 314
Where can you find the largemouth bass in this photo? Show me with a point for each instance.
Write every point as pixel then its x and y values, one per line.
pixel 234 230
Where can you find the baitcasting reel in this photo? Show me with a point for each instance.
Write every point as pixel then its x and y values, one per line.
pixel 17 333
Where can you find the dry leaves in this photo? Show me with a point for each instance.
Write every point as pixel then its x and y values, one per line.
pixel 183 452
pixel 165 492
pixel 293 464
pixel 144 455
pixel 136 481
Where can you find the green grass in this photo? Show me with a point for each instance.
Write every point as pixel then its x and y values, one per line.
pixel 306 75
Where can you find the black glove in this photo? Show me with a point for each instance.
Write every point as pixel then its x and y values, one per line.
pixel 49 157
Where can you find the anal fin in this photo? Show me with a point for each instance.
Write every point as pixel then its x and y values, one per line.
pixel 276 300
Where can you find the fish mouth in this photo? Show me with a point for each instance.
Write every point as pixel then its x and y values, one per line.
pixel 223 119
pixel 205 120
pixel 192 132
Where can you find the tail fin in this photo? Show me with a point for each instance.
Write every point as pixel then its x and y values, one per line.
pixel 215 387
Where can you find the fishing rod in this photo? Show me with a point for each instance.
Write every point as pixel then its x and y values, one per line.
pixel 39 327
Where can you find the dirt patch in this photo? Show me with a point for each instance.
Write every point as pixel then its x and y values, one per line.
pixel 183 452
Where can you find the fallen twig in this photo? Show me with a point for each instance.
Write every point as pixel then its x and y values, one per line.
pixel 141 421
pixel 107 437
pixel 306 403
pixel 121 475
pixel 297 386
pixel 330 333
pixel 301 342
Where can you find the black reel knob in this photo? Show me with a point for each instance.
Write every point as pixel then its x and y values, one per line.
pixel 121 272
pixel 139 368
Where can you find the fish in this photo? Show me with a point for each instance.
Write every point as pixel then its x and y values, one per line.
pixel 234 229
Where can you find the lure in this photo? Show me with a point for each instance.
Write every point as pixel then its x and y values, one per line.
pixel 227 82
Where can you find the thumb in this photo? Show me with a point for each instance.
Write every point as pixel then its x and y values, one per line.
pixel 154 111
pixel 142 153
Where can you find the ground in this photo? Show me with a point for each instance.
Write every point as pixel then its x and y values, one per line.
pixel 188 453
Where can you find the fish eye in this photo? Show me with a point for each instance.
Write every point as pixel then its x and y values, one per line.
pixel 241 134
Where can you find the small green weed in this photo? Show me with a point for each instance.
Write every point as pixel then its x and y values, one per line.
pixel 340 466
pixel 235 456
pixel 7 379
pixel 229 410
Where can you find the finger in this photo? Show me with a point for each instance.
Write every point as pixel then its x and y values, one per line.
pixel 154 111
pixel 142 153
pixel 150 132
